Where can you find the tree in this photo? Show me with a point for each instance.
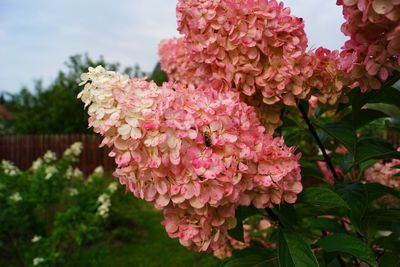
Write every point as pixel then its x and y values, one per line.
pixel 55 109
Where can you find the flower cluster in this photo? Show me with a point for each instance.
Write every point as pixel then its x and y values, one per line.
pixel 175 61
pixel 196 154
pixel 372 53
pixel 9 168
pixel 104 208
pixel 74 150
pixel 384 173
pixel 327 80
pixel 252 46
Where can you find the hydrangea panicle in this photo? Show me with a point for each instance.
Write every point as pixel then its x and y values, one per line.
pixel 372 53
pixel 196 154
pixel 253 46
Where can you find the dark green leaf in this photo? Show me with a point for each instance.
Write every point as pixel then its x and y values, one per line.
pixel 322 197
pixel 242 213
pixel 356 197
pixel 287 215
pixel 294 251
pixel 310 170
pixel 396 167
pixel 384 218
pixel 387 95
pixel 348 245
pixel 389 259
pixel 374 149
pixel 251 257
pixel 324 224
pixel 343 132
pixel 363 117
pixel 376 191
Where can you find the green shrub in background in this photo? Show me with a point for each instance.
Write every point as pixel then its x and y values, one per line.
pixel 49 211
pixel 50 215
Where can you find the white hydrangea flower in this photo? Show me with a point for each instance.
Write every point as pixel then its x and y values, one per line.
pixel 74 150
pixel 105 204
pixel 37 164
pixel 49 156
pixel 9 168
pixel 16 197
pixel 99 171
pixel 36 238
pixel 78 173
pixel 112 187
pixel 50 171
pixel 73 191
pixel 69 173
pixel 37 261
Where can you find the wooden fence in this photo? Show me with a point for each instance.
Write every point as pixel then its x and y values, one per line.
pixel 24 149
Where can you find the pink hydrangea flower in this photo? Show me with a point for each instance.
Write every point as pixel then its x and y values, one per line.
pixel 175 61
pixel 384 173
pixel 196 154
pixel 327 80
pixel 372 53
pixel 253 46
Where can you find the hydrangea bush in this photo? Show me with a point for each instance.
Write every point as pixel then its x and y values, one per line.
pixel 47 213
pixel 257 143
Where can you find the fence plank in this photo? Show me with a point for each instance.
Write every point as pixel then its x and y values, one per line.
pixel 24 149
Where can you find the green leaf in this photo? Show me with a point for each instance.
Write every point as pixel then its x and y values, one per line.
pixel 287 215
pixel 242 213
pixel 374 149
pixel 310 170
pixel 348 245
pixel 251 257
pixel 376 191
pixel 389 259
pixel 342 132
pixel 324 224
pixel 396 167
pixel 356 197
pixel 383 219
pixel 364 117
pixel 293 251
pixel 387 95
pixel 322 197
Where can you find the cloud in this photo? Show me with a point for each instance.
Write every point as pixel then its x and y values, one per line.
pixel 38 36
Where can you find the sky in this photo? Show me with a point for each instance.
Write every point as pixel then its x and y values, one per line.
pixel 38 36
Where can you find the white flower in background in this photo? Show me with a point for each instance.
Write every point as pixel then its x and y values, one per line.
pixel 50 171
pixel 73 173
pixel 37 261
pixel 9 168
pixel 105 204
pixel 36 238
pixel 74 150
pixel 70 173
pixel 37 164
pixel 73 191
pixel 16 197
pixel 78 173
pixel 49 156
pixel 99 171
pixel 112 187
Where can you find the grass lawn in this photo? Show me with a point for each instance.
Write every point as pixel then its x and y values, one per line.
pixel 150 246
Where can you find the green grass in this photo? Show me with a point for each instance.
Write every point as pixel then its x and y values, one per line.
pixel 149 247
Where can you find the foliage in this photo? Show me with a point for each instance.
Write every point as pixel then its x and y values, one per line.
pixel 53 108
pixel 51 215
pixel 346 221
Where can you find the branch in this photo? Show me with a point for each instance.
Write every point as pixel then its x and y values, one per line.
pixel 320 145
